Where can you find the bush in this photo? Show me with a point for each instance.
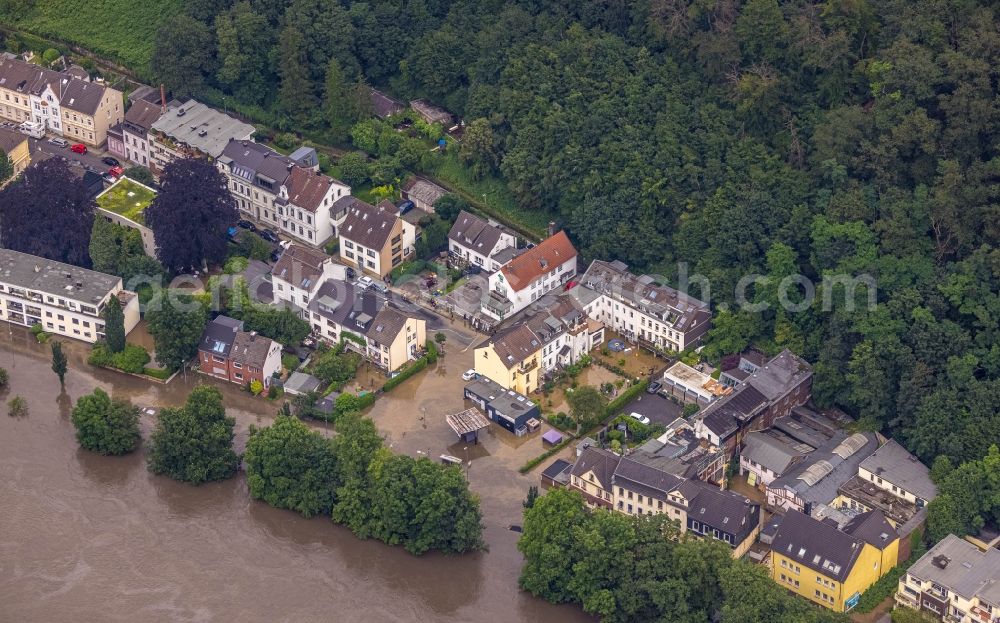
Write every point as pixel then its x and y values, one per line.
pixel 690 409
pixel 104 425
pixel 17 407
pixel 256 387
pixel 405 374
pixel 157 373
pixel 235 265
pixel 290 362
pixel 562 422
pixel 4 378
pixel 274 392
pixel 331 247
pixel 132 359
pixel 252 246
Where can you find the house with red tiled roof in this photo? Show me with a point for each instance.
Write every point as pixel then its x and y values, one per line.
pixel 529 276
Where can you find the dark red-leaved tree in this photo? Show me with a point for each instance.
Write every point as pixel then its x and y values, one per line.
pixel 48 212
pixel 190 216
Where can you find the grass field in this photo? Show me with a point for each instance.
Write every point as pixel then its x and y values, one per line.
pixel 127 198
pixel 120 30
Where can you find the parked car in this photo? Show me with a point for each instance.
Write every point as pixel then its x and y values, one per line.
pixel 116 171
pixel 351 273
pixel 247 225
pixel 469 375
pixel 365 282
pixel 78 148
pixel 110 179
pixel 276 254
pixel 59 142
pixel 111 162
pixel 269 235
pixel 653 387
pixel 638 417
pixel 380 286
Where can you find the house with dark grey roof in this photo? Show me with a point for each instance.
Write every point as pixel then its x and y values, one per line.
pixel 364 321
pixel 227 352
pixel 954 581
pixel 477 241
pixel 134 129
pixel 506 407
pixel 635 485
pixel 772 391
pixel 828 565
pixel 765 457
pixel 384 106
pixel 279 192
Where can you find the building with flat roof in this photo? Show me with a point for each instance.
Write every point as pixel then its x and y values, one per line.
pixel 193 129
pixel 506 407
pixel 954 581
pixel 691 386
pixel 64 299
pixel 123 203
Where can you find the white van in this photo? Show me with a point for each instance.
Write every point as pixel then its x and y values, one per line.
pixel 34 129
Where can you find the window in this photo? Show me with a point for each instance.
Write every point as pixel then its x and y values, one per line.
pixel 238 375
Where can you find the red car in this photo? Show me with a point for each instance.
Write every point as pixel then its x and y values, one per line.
pixel 115 171
pixel 78 148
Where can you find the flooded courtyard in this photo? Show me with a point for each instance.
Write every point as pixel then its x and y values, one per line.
pixel 88 538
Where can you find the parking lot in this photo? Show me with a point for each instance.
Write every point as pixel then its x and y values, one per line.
pixel 658 409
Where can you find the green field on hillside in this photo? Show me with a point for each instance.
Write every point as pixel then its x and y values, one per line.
pixel 117 29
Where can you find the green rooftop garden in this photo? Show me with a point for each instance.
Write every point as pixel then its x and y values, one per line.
pixel 127 198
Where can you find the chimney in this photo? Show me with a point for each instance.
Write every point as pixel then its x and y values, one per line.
pixel 552 228
pixel 163 98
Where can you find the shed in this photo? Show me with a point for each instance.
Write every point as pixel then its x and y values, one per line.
pixel 552 436
pixel 301 383
pixel 556 474
pixel 467 424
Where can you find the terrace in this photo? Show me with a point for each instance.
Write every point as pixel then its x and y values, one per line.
pixel 127 198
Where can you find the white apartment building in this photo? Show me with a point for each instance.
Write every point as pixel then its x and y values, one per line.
pixel 529 276
pixel 478 242
pixel 65 299
pixel 955 581
pixel 299 274
pixel 641 310
pixel 275 190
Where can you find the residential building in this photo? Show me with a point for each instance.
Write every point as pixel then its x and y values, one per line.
pixel 529 276
pixel 192 129
pixel 64 299
pixel 773 391
pixel 139 120
pixel 564 331
pixel 512 358
pixel 679 452
pixel 278 191
pixel 298 275
pixel 124 203
pixel 894 482
pixel 372 238
pixel 17 148
pixel 364 322
pixel 395 338
pixel 228 352
pixel 765 457
pixel 955 581
pixel 478 242
pixel 64 103
pixel 506 407
pixel 89 109
pixel 423 193
pixel 635 487
pixel 640 309
pixel 816 478
pixel 691 386
pixel 828 565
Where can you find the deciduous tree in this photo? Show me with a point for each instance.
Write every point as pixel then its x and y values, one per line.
pixel 176 323
pixel 105 425
pixel 194 443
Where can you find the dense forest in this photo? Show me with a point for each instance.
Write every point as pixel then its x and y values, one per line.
pixel 843 137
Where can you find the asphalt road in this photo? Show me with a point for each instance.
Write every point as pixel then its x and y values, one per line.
pixel 41 149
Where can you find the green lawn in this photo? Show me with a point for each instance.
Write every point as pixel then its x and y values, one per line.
pixel 118 29
pixel 127 198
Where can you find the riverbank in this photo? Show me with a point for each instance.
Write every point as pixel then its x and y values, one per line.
pixel 100 538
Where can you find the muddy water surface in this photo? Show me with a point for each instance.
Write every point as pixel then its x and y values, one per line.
pixel 90 538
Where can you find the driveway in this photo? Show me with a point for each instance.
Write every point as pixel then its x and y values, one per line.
pixel 41 149
pixel 658 409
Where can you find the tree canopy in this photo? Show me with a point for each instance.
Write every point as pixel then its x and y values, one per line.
pixel 194 443
pixel 105 425
pixel 176 322
pixel 48 212
pixel 191 215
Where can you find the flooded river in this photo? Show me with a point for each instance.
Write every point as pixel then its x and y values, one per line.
pixel 91 538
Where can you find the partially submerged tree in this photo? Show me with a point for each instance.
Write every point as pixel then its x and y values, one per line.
pixel 105 425
pixel 194 443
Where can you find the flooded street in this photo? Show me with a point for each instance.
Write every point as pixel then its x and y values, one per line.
pixel 91 538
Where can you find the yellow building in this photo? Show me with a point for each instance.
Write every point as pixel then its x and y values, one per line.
pixel 512 358
pixel 394 338
pixel 832 566
pixel 15 145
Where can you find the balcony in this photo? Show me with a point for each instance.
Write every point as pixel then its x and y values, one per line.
pixel 498 304
pixel 525 368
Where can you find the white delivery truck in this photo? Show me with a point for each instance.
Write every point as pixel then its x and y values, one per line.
pixel 34 129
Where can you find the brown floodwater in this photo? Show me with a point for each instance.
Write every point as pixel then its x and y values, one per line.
pixel 91 538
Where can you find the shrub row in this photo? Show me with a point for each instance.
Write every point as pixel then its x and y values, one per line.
pixel 133 359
